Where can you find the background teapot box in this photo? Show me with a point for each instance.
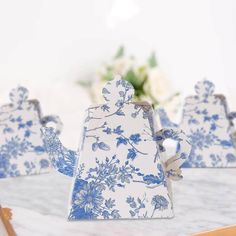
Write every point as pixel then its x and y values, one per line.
pixel 22 150
pixel 208 124
pixel 120 173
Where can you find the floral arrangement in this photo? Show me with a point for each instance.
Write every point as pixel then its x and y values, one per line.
pixel 148 80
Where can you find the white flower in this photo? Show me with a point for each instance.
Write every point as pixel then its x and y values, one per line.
pixel 159 88
pixel 157 85
pixel 96 91
pixel 122 65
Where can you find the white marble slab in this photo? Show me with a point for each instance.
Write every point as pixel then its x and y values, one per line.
pixel 204 200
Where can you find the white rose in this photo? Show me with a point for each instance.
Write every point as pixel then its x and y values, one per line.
pixel 96 91
pixel 122 65
pixel 157 85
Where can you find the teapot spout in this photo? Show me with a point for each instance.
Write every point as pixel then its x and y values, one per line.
pixel 164 119
pixel 62 159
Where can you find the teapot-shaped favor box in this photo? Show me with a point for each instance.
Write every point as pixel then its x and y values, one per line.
pixel 22 150
pixel 208 124
pixel 120 170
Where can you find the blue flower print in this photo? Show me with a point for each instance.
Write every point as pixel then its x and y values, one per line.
pixel 88 202
pixel 89 197
pixel 44 163
pixel 109 203
pixel 136 206
pixel 118 130
pixel 160 203
pixel 215 159
pixel 105 107
pixel 15 147
pixel 230 158
pixel 30 166
pixel 135 138
pixel 120 103
pixel 202 139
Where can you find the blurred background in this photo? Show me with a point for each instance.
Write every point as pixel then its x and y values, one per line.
pixel 63 51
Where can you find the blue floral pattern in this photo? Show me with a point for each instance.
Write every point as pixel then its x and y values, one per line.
pixel 62 159
pixel 120 173
pixel 22 151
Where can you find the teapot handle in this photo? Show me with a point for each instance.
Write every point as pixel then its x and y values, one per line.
pixel 174 163
pixel 54 119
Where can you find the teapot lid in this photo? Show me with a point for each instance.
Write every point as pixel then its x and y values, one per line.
pixel 19 95
pixel 118 91
pixel 204 88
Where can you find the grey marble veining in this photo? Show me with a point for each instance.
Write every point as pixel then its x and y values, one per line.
pixel 203 200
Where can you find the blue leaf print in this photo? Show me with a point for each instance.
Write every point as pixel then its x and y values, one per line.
pixel 115 214
pixel 120 103
pixel 151 179
pixel 19 119
pixel 109 203
pixel 207 118
pixel 121 93
pixel 7 130
pixel 103 146
pixel 105 108
pixel 120 113
pixel 226 143
pixel 44 163
pixel 213 127
pixel 105 91
pixel 230 157
pixel 121 140
pixel 118 130
pixel 39 149
pixel 135 205
pixel 29 123
pixel 107 130
pixel 158 138
pixel 95 146
pixel 132 213
pixel 131 153
pixel 27 133
pixel 155 179
pixel 204 112
pixel 131 202
pixel 215 117
pixel 21 126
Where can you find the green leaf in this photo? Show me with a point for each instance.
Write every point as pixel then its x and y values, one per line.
pixel 152 61
pixel 109 75
pixel 84 83
pixel 120 52
pixel 133 79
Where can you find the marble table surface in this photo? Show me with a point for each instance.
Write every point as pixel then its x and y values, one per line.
pixel 203 200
